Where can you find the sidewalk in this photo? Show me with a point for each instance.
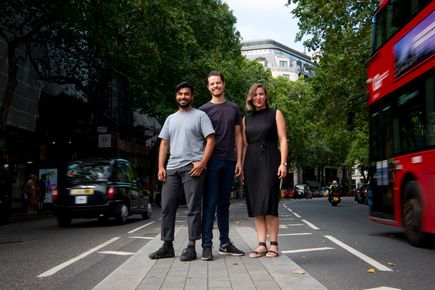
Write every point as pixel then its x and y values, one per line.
pixel 225 272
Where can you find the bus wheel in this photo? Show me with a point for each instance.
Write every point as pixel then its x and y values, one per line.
pixel 412 215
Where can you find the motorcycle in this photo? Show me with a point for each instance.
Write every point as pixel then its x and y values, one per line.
pixel 334 198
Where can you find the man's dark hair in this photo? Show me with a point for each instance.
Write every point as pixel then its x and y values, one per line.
pixel 216 73
pixel 184 84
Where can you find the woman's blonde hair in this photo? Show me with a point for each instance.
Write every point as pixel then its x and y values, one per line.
pixel 250 96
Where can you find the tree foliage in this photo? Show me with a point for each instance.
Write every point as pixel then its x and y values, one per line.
pixel 339 33
pixel 146 46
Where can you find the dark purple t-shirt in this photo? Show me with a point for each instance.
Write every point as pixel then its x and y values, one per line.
pixel 224 118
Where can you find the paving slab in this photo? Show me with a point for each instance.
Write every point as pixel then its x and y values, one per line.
pixel 225 272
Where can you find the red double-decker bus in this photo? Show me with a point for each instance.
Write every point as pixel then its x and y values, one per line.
pixel 401 103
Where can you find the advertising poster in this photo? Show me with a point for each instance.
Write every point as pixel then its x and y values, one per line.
pixel 415 46
pixel 50 178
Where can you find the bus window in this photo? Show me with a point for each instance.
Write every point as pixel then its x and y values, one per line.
pixel 412 122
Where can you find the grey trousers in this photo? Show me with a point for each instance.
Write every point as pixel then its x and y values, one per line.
pixel 179 182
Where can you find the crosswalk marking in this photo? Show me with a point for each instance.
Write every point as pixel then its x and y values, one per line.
pixel 306 250
pixel 144 238
pixel 118 253
pixel 310 225
pixel 295 234
pixel 141 227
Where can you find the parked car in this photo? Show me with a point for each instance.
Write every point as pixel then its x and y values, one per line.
pixel 324 191
pixel 287 192
pixel 302 190
pixel 361 193
pixel 100 189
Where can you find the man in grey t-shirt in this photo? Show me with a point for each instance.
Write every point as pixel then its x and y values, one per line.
pixel 188 135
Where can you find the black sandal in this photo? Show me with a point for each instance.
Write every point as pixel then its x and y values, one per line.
pixel 258 254
pixel 273 254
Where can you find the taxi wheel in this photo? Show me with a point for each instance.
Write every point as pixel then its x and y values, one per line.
pixel 123 214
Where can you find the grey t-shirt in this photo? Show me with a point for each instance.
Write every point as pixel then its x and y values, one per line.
pixel 186 133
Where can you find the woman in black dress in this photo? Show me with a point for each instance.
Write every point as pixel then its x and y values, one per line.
pixel 265 162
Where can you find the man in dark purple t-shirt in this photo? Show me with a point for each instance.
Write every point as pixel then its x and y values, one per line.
pixel 224 164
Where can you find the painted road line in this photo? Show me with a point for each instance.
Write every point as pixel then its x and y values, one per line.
pixel 296 215
pixel 289 209
pixel 144 238
pixel 294 234
pixel 73 260
pixel 294 225
pixel 141 227
pixel 360 255
pixel 306 250
pixel 117 253
pixel 310 225
pixel 383 288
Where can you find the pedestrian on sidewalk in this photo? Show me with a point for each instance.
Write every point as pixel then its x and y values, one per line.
pixel 31 191
pixel 188 135
pixel 264 130
pixel 225 163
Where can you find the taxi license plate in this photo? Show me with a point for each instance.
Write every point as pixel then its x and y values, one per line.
pixel 81 199
pixel 81 191
pixel 335 198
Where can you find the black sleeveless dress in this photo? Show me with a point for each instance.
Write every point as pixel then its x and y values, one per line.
pixel 262 160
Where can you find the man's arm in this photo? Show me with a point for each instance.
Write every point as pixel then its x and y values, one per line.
pixel 163 154
pixel 239 149
pixel 198 166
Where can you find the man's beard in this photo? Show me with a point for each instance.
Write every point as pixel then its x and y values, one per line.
pixel 185 105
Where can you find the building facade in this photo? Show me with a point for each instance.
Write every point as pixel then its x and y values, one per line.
pixel 49 125
pixel 281 60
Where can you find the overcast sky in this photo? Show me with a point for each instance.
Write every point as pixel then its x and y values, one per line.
pixel 265 19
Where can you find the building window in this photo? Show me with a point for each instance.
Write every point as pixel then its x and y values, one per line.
pixel 283 63
pixel 299 66
pixel 263 61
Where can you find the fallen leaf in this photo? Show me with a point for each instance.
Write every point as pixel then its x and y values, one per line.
pixel 371 270
pixel 235 264
pixel 391 264
pixel 298 272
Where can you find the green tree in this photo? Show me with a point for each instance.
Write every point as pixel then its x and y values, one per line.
pixel 339 32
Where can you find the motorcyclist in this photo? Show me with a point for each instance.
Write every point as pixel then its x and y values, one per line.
pixel 334 187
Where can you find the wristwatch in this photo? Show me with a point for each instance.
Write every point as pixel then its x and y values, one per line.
pixel 284 163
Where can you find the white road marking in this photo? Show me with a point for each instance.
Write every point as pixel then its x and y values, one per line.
pixel 289 209
pixel 286 219
pixel 293 225
pixel 144 238
pixel 141 227
pixel 295 234
pixel 383 288
pixel 310 225
pixel 306 250
pixel 360 255
pixel 73 260
pixel 118 253
pixel 296 215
